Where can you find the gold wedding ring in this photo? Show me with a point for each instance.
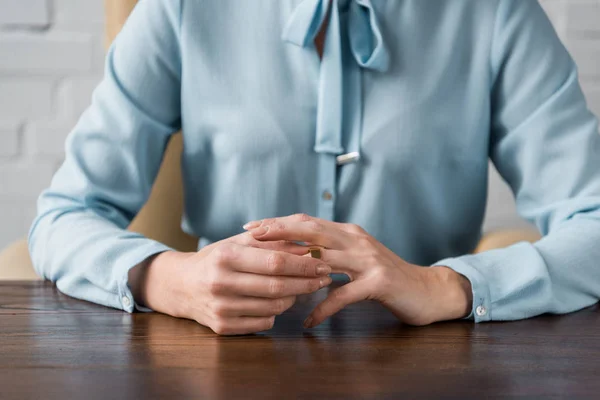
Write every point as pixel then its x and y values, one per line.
pixel 315 252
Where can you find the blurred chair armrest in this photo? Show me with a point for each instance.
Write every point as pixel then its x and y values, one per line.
pixel 504 238
pixel 15 263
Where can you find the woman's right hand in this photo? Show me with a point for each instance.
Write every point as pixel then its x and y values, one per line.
pixel 235 286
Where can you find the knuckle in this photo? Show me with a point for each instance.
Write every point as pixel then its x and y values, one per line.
pixel 246 239
pixel 276 287
pixel 356 229
pixel 275 263
pixel 216 283
pixel 220 327
pixel 219 308
pixel 372 258
pixel 224 253
pixel 215 286
pixel 380 276
pixel 279 226
pixel 364 240
pixel 307 268
pixel 268 221
pixel 302 217
pixel 315 226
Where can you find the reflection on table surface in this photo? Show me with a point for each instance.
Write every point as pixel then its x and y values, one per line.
pixel 56 346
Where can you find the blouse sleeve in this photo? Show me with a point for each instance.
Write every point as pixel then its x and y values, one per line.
pixel 79 238
pixel 545 144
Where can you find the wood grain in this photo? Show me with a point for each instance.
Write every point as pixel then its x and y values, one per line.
pixel 52 346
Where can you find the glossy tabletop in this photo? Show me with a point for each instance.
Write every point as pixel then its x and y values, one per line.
pixel 52 346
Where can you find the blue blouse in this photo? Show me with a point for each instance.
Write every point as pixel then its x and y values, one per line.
pixel 419 93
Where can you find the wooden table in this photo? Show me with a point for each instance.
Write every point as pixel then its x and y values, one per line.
pixel 52 346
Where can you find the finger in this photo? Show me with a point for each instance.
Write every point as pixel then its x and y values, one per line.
pixel 293 218
pixel 312 231
pixel 272 287
pixel 247 239
pixel 242 325
pixel 251 307
pixel 342 262
pixel 268 262
pixel 339 298
pixel 280 245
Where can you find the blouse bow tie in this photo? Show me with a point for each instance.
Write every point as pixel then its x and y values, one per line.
pixel 364 34
pixel 352 28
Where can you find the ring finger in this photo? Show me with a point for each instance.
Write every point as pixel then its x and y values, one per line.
pixel 311 231
pixel 343 262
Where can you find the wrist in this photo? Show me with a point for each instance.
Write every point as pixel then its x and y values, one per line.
pixel 452 294
pixel 153 281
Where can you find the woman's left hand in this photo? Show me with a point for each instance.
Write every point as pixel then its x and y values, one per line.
pixel 416 295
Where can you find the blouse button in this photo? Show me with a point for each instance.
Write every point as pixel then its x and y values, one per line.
pixel 126 301
pixel 327 195
pixel 481 311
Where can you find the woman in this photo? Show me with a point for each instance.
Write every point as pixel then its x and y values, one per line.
pixel 378 115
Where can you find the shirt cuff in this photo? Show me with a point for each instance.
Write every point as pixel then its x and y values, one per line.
pixel 124 295
pixel 481 310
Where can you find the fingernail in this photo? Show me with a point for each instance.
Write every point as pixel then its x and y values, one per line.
pixel 260 231
pixel 323 270
pixel 325 281
pixel 252 225
pixel 308 322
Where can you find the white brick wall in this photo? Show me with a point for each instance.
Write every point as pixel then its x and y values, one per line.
pixel 28 14
pixel 51 58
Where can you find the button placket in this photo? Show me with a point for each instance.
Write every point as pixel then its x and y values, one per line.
pixel 359 23
pixel 327 184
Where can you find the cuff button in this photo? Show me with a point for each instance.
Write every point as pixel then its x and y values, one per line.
pixel 481 311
